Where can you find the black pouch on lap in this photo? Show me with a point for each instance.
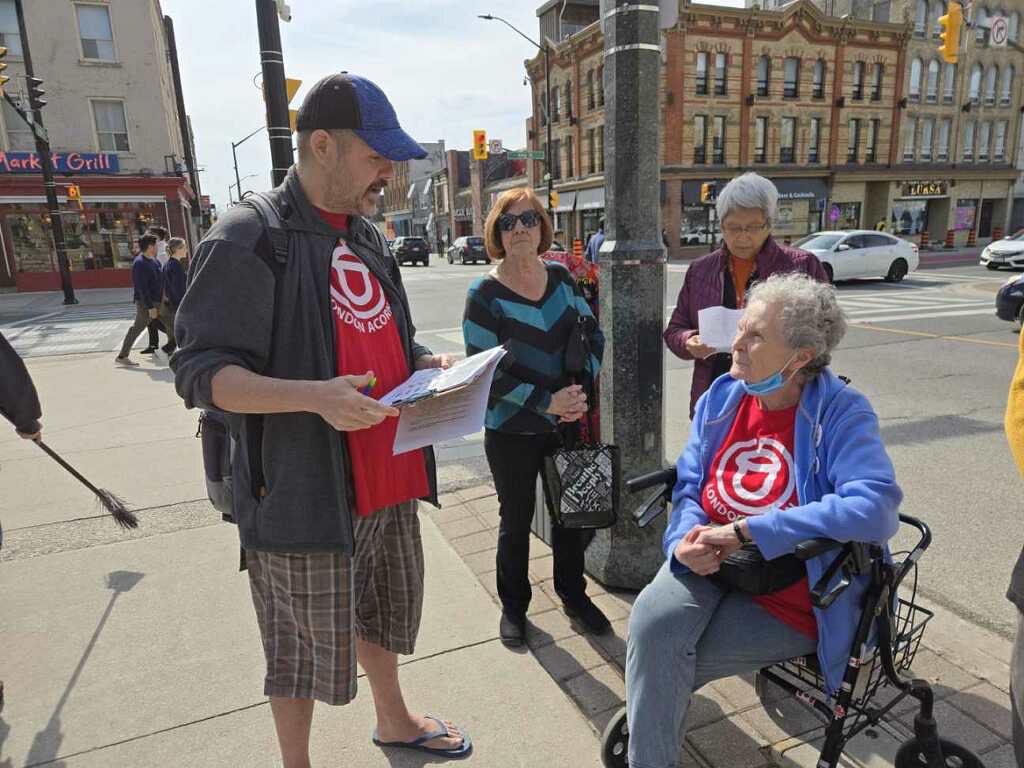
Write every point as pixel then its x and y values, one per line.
pixel 746 570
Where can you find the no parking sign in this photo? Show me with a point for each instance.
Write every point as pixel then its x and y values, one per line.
pixel 999 32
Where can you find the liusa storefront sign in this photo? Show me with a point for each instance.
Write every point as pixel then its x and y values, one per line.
pixel 63 162
pixel 925 189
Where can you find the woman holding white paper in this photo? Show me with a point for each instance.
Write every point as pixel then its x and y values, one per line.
pixel 531 308
pixel 746 208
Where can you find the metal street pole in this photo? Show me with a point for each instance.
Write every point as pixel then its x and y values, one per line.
pixel 274 93
pixel 632 282
pixel 43 150
pixel 234 155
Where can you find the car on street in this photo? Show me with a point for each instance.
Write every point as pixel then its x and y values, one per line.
pixel 1010 300
pixel 468 249
pixel 853 253
pixel 411 249
pixel 699 236
pixel 1008 252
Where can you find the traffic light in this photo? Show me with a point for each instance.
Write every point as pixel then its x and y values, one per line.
pixel 291 87
pixel 35 93
pixel 708 192
pixel 75 195
pixel 952 25
pixel 553 201
pixel 3 65
pixel 479 145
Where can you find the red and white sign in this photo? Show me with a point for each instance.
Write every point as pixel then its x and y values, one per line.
pixel 999 32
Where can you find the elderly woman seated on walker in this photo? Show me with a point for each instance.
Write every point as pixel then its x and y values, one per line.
pixel 781 450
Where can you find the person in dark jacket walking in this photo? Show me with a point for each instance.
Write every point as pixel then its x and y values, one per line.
pixel 747 207
pixel 326 514
pixel 172 283
pixel 146 282
pixel 162 255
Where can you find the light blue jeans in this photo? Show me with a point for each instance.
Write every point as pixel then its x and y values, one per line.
pixel 684 632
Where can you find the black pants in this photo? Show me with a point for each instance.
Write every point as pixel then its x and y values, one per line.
pixel 154 326
pixel 515 462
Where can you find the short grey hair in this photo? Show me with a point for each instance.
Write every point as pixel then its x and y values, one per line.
pixel 809 312
pixel 750 190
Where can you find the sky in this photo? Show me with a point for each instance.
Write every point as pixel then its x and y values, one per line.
pixel 446 72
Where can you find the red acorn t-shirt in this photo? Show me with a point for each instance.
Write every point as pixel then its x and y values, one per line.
pixel 753 473
pixel 368 340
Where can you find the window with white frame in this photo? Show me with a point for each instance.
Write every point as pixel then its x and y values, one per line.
pixel 933 82
pixel 701 81
pixel 761 140
pixel 984 139
pixel 853 140
pixel 991 78
pixel 814 140
pixel 915 80
pixel 111 126
pixel 999 145
pixel 764 68
pixel 938 10
pixel 981 24
pixel 874 128
pixel 921 18
pixel 909 140
pixel 969 141
pixel 95 32
pixel 1006 89
pixel 700 139
pixel 858 80
pixel 818 84
pixel 791 78
pixel 1014 26
pixel 942 151
pixel 975 87
pixel 927 131
pixel 787 141
pixel 19 135
pixel 718 141
pixel 949 84
pixel 10 38
pixel 720 74
pixel 876 82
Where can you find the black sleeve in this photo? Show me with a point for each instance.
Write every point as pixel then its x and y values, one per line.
pixel 19 402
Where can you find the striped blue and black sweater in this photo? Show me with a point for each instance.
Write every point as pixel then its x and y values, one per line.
pixel 536 334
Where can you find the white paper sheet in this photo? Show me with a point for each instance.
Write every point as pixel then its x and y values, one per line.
pixel 445 415
pixel 717 327
pixel 435 380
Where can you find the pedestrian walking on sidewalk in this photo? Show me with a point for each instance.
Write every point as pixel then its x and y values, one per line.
pixel 157 324
pixel 1014 424
pixel 531 306
pixel 146 284
pixel 172 283
pixel 297 348
pixel 594 244
pixel 747 208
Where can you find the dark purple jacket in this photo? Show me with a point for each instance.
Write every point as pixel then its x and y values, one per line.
pixel 703 287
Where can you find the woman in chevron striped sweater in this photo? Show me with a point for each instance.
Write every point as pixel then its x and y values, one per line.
pixel 530 307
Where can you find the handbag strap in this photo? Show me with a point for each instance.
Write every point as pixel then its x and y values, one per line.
pixel 578 329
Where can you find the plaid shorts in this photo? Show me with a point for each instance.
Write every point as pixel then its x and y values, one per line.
pixel 388 571
pixel 308 604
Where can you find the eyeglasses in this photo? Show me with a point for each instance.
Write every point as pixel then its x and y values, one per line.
pixel 750 229
pixel 507 221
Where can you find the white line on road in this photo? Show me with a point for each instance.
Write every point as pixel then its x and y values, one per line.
pixel 924 315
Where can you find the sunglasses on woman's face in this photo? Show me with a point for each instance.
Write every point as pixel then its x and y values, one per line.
pixel 507 221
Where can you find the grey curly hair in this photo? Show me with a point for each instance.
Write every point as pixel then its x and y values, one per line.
pixel 809 312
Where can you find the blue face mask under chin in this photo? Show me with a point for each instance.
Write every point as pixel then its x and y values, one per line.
pixel 768 385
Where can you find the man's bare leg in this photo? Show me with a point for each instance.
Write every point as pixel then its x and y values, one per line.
pixel 394 721
pixel 292 719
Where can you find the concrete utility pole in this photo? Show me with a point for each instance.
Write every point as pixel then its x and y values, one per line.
pixel 632 281
pixel 274 93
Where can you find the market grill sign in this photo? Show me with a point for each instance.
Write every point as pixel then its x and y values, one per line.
pixel 925 189
pixel 62 162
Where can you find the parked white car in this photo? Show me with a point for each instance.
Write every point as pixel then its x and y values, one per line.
pixel 1008 252
pixel 699 236
pixel 851 253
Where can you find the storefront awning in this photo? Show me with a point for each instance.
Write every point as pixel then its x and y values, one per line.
pixel 566 202
pixel 590 199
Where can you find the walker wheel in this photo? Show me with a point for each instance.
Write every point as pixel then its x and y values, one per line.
pixel 615 742
pixel 911 755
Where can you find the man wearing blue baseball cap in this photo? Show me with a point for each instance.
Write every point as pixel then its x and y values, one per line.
pixel 294 322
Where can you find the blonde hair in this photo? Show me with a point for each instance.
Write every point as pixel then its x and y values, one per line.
pixel 175 244
pixel 508 198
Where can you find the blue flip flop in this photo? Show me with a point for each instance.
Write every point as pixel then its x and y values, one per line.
pixel 456 752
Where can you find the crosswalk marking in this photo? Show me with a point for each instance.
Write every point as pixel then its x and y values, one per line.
pixel 924 315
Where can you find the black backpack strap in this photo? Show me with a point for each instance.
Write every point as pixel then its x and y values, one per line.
pixel 274 230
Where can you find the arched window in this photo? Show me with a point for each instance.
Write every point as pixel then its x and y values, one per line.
pixel 991 78
pixel 1014 26
pixel 981 24
pixel 1006 90
pixel 975 88
pixel 818 86
pixel 938 9
pixel 933 82
pixel 915 80
pixel 949 84
pixel 921 18
pixel 764 69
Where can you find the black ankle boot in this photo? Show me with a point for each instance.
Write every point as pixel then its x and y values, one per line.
pixel 512 629
pixel 588 614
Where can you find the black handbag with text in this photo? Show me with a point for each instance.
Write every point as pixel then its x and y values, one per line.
pixel 582 481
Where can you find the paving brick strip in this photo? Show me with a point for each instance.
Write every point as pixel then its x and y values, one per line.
pixel 729 727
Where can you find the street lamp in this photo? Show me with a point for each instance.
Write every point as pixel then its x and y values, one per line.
pixel 238 185
pixel 547 96
pixel 234 156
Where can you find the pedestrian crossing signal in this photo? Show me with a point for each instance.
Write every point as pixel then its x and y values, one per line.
pixel 479 145
pixel 952 25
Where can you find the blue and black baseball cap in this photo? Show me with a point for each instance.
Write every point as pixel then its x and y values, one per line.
pixel 345 101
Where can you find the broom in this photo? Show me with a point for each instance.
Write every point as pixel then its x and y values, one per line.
pixel 110 501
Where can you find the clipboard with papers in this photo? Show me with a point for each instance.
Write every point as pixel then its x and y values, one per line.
pixel 437 404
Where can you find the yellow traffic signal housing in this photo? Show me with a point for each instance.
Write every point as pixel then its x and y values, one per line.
pixel 707 192
pixel 952 25
pixel 291 87
pixel 3 66
pixel 554 200
pixel 75 195
pixel 479 145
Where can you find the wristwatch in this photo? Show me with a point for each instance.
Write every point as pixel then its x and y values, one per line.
pixel 739 533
